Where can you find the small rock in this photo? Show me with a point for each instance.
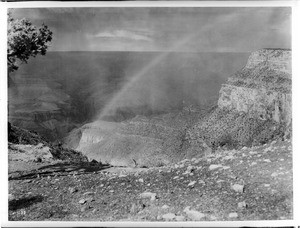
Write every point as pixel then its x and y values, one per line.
pixel 72 190
pixel 252 152
pixel 242 204
pixel 141 180
pixel 201 182
pixel 82 201
pixel 226 167
pixel 84 208
pixel 267 160
pixel 90 199
pixel 194 215
pixel 253 163
pixel 233 215
pixel 150 195
pixel 95 210
pixel 274 174
pixel 228 157
pixel 10 197
pixel 238 188
pixel 122 175
pixel 179 218
pixel 112 191
pixel 88 193
pixel 165 206
pixel 267 185
pixel 212 217
pixel 159 217
pixel 176 177
pixel 192 183
pixel 212 167
pixel 190 168
pixel 244 148
pixel 169 216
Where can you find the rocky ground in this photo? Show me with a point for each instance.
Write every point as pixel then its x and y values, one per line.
pixel 247 184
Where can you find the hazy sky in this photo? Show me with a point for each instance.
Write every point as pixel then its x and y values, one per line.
pixel 159 29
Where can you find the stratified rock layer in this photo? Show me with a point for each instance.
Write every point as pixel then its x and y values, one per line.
pixel 139 142
pixel 254 106
pixel 262 88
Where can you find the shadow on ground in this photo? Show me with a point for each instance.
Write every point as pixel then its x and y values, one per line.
pixel 59 169
pixel 24 202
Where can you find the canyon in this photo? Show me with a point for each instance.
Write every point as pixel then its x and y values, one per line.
pixel 254 108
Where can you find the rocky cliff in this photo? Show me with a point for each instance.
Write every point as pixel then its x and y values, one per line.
pixel 39 104
pixel 255 104
pixel 141 141
pixel 262 88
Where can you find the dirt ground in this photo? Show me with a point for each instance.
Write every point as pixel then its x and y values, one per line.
pixel 249 184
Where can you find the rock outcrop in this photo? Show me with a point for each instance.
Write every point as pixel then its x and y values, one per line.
pixel 262 88
pixel 254 106
pixel 141 141
pixel 40 105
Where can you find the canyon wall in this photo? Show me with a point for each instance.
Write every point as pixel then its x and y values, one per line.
pixel 262 88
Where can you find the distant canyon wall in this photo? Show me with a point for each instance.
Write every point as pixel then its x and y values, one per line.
pixel 262 88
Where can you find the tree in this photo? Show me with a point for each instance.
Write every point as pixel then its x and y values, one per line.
pixel 25 40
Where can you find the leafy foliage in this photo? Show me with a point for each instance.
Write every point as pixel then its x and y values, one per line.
pixel 25 40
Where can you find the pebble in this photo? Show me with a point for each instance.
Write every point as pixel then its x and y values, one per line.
pixel 201 182
pixel 213 166
pixel 228 157
pixel 82 201
pixel 238 188
pixel 141 180
pixel 84 208
pixel 88 193
pixel 150 195
pixel 176 177
pixel 192 183
pixel 233 215
pixel 179 218
pixel 169 216
pixel 72 190
pixel 242 204
pixel 165 206
pixel 112 191
pixel 274 174
pixel 11 197
pixel 267 185
pixel 253 163
pixel 194 215
pixel 266 160
pixel 95 210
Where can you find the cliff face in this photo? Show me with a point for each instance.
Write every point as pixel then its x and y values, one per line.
pixel 141 141
pixel 39 105
pixel 262 88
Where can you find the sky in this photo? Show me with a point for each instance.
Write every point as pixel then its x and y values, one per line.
pixel 187 29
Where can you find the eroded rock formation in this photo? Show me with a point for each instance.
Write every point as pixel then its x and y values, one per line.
pixel 262 88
